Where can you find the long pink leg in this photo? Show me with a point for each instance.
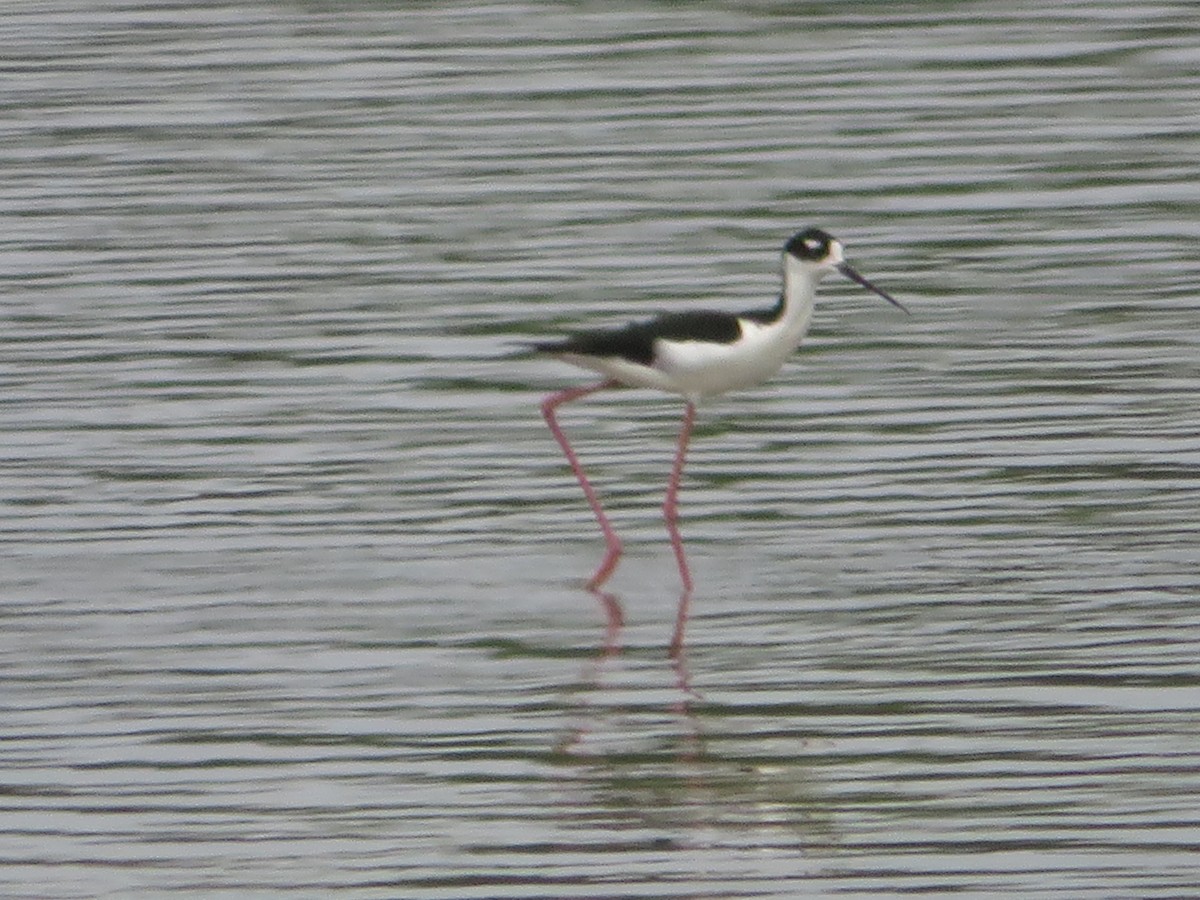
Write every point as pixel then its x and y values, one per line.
pixel 612 554
pixel 671 505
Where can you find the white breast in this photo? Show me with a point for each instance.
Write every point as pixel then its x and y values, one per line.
pixel 701 369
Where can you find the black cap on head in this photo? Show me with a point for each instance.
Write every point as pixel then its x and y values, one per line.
pixel 810 245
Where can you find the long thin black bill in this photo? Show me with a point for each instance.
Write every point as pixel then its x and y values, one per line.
pixel 845 269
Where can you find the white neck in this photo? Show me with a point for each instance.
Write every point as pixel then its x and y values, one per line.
pixel 799 293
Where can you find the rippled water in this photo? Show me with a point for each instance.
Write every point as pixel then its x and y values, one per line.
pixel 290 567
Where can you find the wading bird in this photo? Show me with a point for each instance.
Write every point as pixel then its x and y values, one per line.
pixel 697 354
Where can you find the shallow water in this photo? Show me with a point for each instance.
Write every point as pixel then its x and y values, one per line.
pixel 291 568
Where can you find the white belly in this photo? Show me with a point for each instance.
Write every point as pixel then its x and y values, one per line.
pixel 699 369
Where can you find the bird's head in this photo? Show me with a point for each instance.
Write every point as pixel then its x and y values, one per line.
pixel 817 253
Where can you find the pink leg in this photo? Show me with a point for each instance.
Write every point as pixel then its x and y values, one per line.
pixel 671 505
pixel 613 543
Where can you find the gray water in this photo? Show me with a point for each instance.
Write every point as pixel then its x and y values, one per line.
pixel 290 571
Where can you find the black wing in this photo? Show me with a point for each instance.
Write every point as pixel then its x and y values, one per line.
pixel 635 342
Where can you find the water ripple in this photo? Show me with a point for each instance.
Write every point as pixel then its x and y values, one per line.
pixel 291 566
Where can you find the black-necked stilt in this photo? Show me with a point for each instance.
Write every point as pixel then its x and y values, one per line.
pixel 697 354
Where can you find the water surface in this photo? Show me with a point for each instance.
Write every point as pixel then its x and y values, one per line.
pixel 291 568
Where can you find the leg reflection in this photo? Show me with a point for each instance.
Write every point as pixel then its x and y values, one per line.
pixel 615 618
pixel 681 618
pixel 590 677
